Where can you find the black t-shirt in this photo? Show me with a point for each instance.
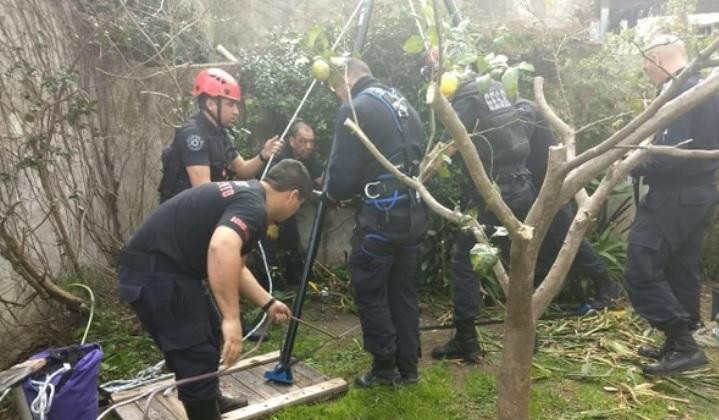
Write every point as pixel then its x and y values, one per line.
pixel 180 229
pixel 201 143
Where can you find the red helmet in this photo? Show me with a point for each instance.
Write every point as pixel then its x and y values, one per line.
pixel 216 82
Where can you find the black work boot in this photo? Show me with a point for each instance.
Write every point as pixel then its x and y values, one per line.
pixel 383 372
pixel 606 292
pixel 202 410
pixel 655 352
pixel 464 345
pixel 683 355
pixel 228 403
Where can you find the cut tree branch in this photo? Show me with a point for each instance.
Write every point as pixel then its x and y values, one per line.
pixel 474 165
pixel 453 216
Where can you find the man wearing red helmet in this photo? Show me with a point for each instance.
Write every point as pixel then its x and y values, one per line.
pixel 201 151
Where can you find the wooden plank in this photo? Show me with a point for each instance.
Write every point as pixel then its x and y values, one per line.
pixel 134 411
pixel 313 393
pixel 312 375
pixel 259 371
pixel 173 405
pixel 239 366
pixel 230 385
pixel 129 412
pixel 257 384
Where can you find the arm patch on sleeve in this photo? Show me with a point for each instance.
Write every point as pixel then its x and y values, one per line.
pixel 242 225
pixel 194 142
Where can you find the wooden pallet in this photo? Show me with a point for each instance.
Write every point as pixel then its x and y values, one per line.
pixel 264 397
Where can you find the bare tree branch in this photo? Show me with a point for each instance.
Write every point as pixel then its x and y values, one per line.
pixel 474 164
pixel 453 216
pixel 674 151
pixel 671 110
pixel 567 134
pixel 645 115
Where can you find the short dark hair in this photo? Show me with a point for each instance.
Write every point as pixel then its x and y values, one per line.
pixel 295 128
pixel 290 174
pixel 356 68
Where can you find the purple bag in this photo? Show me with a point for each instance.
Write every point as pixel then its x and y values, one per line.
pixel 67 384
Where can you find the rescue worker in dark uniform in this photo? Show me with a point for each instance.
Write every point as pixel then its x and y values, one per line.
pixel 663 274
pixel 587 260
pixel 497 132
pixel 285 247
pixel 391 222
pixel 201 150
pixel 205 232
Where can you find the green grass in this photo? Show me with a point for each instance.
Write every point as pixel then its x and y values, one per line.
pixel 564 387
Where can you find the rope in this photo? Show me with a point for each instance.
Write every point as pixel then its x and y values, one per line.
pixel 144 377
pixel 92 309
pixel 4 394
pixel 269 284
pixel 154 391
pixel 42 403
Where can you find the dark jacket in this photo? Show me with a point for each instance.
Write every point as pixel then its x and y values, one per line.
pixel 351 166
pixel 494 126
pixel 197 143
pixel 701 124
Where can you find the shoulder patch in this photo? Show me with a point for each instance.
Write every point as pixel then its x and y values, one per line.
pixel 195 142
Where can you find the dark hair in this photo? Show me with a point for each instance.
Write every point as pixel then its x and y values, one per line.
pixel 290 174
pixel 295 128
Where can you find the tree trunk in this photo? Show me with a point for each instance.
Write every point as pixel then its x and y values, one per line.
pixel 515 376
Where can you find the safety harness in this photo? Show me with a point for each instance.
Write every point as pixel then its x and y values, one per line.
pixel 386 191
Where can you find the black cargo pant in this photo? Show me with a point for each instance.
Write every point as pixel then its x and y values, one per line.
pixel 587 259
pixel 662 273
pixel 179 314
pixel 384 266
pixel 519 194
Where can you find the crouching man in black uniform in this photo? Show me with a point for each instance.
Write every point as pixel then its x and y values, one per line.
pixel 384 261
pixel 496 130
pixel 662 273
pixel 204 232
pixel 587 260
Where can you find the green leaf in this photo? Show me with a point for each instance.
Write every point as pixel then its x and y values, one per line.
pixel 428 13
pixel 510 80
pixel 483 257
pixel 312 34
pixel 413 45
pixel 447 159
pixel 443 171
pixel 524 66
pixel 482 64
pixel 433 36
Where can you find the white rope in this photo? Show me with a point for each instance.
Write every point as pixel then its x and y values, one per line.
pixel 146 376
pixel 4 394
pixel 269 284
pixel 92 309
pixel 42 403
